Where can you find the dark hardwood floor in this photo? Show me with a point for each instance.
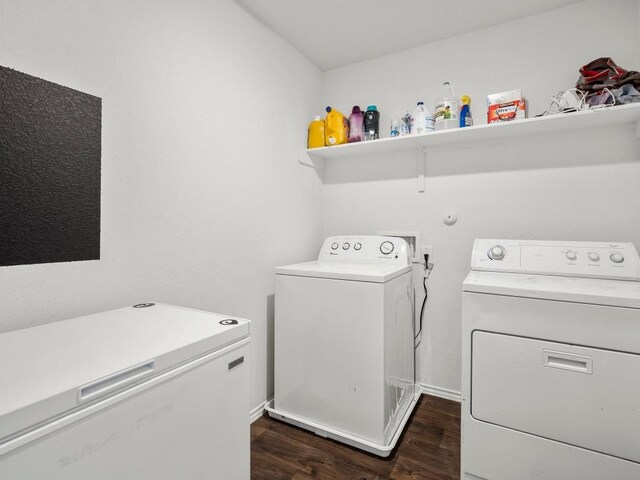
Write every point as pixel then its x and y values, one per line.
pixel 428 450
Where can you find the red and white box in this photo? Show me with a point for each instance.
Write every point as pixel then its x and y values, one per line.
pixel 506 106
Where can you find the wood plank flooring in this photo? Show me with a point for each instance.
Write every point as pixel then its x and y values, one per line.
pixel 428 450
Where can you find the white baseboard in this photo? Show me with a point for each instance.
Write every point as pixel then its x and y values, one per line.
pixel 257 412
pixel 440 392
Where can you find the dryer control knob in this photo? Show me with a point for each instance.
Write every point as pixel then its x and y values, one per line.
pixel 571 256
pixel 345 246
pixel 357 246
pixel 594 257
pixel 334 246
pixel 386 247
pixel 497 252
pixel 616 258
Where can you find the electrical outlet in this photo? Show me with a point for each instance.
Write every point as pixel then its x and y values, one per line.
pixel 426 250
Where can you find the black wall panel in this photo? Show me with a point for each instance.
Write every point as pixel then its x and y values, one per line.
pixel 50 147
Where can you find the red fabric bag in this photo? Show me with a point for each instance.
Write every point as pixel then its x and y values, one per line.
pixel 604 73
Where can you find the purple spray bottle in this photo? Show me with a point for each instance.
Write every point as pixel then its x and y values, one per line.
pixel 356 125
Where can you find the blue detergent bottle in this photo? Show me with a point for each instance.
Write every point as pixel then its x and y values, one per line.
pixel 465 112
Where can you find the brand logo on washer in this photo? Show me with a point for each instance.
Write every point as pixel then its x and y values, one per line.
pixel 229 321
pixel 236 362
pixel 144 305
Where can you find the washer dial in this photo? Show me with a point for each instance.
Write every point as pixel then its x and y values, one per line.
pixel 497 252
pixel 357 246
pixel 345 246
pixel 386 247
pixel 616 258
pixel 593 256
pixel 334 246
pixel 571 256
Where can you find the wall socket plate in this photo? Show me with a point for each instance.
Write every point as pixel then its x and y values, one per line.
pixel 412 239
pixel 426 250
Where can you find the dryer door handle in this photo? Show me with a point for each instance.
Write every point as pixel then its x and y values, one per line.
pixel 567 361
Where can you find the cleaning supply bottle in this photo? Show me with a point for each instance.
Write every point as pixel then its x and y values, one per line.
pixel 394 131
pixel 336 128
pixel 465 112
pixel 315 137
pixel 446 111
pixel 372 123
pixel 405 124
pixel 421 121
pixel 356 125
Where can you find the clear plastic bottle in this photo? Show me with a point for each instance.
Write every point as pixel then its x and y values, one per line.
pixel 446 111
pixel 422 120
pixel 405 124
pixel 394 131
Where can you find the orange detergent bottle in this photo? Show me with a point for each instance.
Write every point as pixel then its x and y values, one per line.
pixel 315 138
pixel 336 128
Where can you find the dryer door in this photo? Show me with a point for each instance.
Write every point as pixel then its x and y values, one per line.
pixel 582 396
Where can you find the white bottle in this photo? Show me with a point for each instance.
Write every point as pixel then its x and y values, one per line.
pixel 421 120
pixel 446 111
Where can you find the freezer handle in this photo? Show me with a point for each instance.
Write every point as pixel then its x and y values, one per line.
pixel 114 381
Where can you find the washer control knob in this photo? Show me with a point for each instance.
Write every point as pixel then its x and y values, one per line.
pixel 357 246
pixel 345 246
pixel 616 258
pixel 334 246
pixel 386 247
pixel 497 252
pixel 572 256
pixel 593 256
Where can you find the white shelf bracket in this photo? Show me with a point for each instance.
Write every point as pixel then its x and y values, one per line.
pixel 318 165
pixel 304 160
pixel 421 164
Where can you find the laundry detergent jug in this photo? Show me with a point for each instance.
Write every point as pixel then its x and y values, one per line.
pixel 336 128
pixel 315 137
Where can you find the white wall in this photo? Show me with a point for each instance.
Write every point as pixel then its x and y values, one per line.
pixel 204 112
pixel 196 212
pixel 581 187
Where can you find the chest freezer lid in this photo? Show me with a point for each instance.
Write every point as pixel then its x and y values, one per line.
pixel 51 369
pixel 615 293
pixel 362 272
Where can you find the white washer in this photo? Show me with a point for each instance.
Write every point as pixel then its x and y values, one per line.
pixel 147 393
pixel 344 356
pixel 550 361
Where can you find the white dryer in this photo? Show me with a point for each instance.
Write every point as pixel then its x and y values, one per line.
pixel 551 361
pixel 344 356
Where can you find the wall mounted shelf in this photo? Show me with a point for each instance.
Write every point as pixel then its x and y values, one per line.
pixel 497 132
pixel 479 134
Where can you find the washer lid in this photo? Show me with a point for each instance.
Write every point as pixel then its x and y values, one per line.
pixel 360 272
pixel 615 293
pixel 58 367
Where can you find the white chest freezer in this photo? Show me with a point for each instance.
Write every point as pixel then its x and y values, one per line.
pixel 139 393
